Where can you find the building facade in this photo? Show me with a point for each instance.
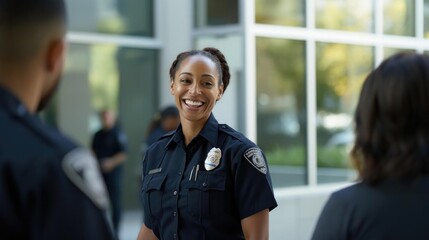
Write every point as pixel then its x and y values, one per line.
pixel 297 68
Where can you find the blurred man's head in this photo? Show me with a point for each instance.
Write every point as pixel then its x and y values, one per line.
pixel 170 118
pixel 32 34
pixel 108 119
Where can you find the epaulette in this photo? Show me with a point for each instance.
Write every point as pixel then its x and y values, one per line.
pixel 232 132
pixel 168 134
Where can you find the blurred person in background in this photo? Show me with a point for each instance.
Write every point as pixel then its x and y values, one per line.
pixel 109 145
pixel 50 188
pixel 165 122
pixel 391 154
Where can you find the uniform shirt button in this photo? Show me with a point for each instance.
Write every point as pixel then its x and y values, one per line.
pixel 180 173
pixel 175 236
pixel 174 214
pixel 204 184
pixel 175 193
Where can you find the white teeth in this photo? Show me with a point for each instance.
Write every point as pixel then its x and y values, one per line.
pixel 193 103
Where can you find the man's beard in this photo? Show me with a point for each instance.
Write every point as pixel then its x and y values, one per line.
pixel 47 97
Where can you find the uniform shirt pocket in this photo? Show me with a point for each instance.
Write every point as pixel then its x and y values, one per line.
pixel 206 194
pixel 152 194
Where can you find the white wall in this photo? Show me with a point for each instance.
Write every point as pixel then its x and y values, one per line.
pixel 174 29
pixel 298 210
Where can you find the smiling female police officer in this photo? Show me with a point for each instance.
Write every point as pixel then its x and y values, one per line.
pixel 205 180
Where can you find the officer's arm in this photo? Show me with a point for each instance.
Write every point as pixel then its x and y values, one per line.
pixel 108 164
pixel 255 227
pixel 146 234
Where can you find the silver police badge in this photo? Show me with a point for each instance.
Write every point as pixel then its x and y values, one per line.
pixel 254 156
pixel 213 159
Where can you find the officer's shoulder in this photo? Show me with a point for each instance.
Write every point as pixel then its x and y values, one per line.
pixel 27 136
pixel 236 135
pixel 162 141
pixel 168 134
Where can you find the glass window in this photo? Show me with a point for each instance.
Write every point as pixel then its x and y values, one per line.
pixel 399 17
pixel 216 12
pixel 391 51
pixel 340 72
pixel 128 17
pixel 348 15
pixel 426 18
pixel 103 76
pixel 279 12
pixel 281 108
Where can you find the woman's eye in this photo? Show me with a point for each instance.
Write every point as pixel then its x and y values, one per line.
pixel 208 84
pixel 185 81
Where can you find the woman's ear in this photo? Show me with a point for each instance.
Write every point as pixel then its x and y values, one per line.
pixel 172 86
pixel 220 94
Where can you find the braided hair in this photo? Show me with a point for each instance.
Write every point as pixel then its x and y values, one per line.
pixel 212 53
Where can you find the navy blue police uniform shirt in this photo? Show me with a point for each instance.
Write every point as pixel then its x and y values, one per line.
pixel 184 200
pixel 49 187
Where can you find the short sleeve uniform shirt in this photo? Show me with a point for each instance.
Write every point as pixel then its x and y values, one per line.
pixel 190 193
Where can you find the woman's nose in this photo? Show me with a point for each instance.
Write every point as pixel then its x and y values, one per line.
pixel 194 89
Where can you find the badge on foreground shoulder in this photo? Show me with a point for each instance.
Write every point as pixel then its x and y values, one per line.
pixel 254 156
pixel 82 169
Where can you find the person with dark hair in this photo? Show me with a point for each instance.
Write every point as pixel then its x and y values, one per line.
pixel 204 180
pixel 109 144
pixel 50 188
pixel 391 154
pixel 167 121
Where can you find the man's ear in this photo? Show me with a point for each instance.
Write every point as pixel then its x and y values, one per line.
pixel 55 53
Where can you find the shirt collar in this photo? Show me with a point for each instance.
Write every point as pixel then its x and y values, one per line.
pixel 10 102
pixel 209 132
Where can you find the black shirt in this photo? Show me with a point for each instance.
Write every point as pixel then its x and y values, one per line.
pixel 107 143
pixel 392 209
pixel 49 188
pixel 184 200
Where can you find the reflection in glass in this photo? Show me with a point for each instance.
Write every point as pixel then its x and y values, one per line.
pixel 340 72
pixel 399 17
pixel 281 108
pixel 216 12
pixel 288 13
pixel 348 15
pixel 108 76
pixel 129 17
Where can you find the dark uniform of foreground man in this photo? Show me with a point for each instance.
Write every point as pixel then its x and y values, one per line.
pixel 49 187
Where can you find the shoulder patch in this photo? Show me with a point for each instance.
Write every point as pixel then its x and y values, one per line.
pixel 255 157
pixel 82 169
